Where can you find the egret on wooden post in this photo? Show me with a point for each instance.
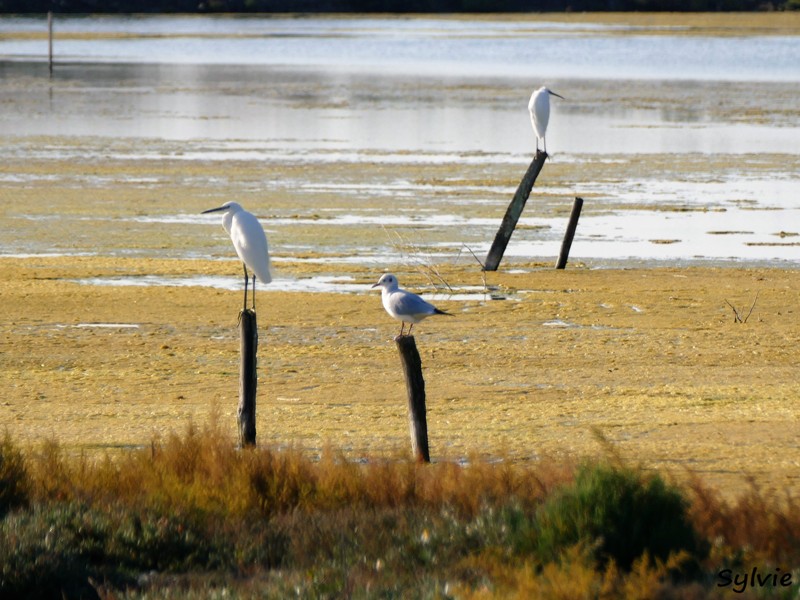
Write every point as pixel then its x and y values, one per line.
pixel 403 305
pixel 249 241
pixel 539 107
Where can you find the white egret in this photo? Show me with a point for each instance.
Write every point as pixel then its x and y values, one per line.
pixel 249 241
pixel 539 107
pixel 403 305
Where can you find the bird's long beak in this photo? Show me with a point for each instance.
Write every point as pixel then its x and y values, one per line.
pixel 210 210
pixel 375 285
pixel 554 94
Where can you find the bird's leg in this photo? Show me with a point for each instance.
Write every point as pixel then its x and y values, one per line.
pixel 409 329
pixel 244 306
pixel 402 326
pixel 254 292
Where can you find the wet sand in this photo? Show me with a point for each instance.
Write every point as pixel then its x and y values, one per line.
pixel 651 358
pixel 647 353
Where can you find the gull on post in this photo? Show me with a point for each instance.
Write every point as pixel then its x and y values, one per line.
pixel 249 241
pixel 539 107
pixel 403 305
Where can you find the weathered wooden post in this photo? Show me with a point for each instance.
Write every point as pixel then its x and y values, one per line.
pixel 248 377
pixel 514 212
pixel 50 41
pixel 415 385
pixel 570 233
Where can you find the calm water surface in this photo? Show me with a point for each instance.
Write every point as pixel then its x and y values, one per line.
pixel 537 49
pixel 425 93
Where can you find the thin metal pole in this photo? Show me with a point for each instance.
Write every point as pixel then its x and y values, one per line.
pixel 50 41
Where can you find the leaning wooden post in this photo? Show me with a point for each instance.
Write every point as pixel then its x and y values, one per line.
pixel 514 212
pixel 570 233
pixel 50 41
pixel 415 385
pixel 248 377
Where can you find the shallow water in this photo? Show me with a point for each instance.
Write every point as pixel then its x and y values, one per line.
pixel 310 284
pixel 539 48
pixel 375 142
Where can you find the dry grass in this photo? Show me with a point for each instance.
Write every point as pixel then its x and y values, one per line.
pixel 201 470
pixel 648 356
pixel 193 515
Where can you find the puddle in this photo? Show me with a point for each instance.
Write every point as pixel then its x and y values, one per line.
pixel 349 219
pixel 475 297
pixel 651 235
pixel 472 294
pixel 335 284
pixel 559 323
pixel 108 325
pixel 320 284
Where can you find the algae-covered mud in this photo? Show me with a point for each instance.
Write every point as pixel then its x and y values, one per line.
pixel 120 300
pixel 651 358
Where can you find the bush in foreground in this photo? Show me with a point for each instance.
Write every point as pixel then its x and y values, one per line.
pixel 621 513
pixel 14 483
pixel 192 517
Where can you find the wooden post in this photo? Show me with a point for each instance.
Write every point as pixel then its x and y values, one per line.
pixel 513 212
pixel 415 385
pixel 50 41
pixel 570 233
pixel 248 377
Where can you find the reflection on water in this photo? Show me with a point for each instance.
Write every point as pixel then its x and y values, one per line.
pixel 538 48
pixel 361 132
pixel 259 113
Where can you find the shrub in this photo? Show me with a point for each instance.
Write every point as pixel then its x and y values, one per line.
pixel 620 513
pixel 14 482
pixel 40 552
pixel 55 548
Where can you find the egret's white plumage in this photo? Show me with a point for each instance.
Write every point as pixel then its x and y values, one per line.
pixel 403 305
pixel 539 107
pixel 249 241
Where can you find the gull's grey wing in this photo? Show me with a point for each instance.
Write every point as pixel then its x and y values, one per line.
pixel 408 304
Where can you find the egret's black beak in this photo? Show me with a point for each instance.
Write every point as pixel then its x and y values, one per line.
pixel 554 94
pixel 375 285
pixel 210 210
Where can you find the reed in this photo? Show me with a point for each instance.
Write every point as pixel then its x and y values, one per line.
pixel 193 515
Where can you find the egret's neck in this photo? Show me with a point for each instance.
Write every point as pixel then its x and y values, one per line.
pixel 227 219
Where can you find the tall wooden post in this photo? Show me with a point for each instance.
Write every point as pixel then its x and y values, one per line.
pixel 50 41
pixel 248 377
pixel 514 212
pixel 570 233
pixel 415 385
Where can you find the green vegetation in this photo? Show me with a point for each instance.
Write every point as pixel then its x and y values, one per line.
pixel 193 517
pixel 623 513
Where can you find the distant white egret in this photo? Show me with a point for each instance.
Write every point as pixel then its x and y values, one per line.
pixel 539 107
pixel 403 305
pixel 249 241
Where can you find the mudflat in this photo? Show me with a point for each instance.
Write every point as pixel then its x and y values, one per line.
pixel 536 362
pixel 111 334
